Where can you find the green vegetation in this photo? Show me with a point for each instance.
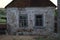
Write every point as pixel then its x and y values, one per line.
pixel 2 16
pixel 45 38
pixel 56 12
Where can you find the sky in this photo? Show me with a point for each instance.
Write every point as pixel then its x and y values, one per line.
pixel 3 3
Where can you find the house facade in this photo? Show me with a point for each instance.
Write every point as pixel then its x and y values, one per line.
pixel 30 17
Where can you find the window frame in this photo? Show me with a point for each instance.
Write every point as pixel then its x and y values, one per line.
pixel 42 20
pixel 23 19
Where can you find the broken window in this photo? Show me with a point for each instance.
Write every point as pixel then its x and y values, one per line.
pixel 39 20
pixel 23 20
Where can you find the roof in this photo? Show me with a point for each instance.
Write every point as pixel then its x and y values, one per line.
pixel 30 3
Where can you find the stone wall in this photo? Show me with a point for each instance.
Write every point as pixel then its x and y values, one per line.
pixel 48 19
pixel 58 17
pixel 12 19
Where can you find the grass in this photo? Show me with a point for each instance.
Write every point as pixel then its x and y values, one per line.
pixel 45 38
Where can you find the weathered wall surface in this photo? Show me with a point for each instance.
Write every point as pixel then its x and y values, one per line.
pixel 12 19
pixel 48 19
pixel 58 17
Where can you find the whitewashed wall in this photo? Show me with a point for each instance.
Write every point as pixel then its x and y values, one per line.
pixel 48 13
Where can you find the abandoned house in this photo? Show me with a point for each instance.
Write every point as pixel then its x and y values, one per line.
pixel 25 17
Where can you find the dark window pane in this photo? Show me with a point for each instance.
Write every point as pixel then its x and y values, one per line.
pixel 23 21
pixel 39 20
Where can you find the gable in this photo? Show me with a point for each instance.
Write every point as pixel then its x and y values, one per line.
pixel 30 3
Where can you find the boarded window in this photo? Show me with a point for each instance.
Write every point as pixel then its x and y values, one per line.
pixel 38 20
pixel 23 20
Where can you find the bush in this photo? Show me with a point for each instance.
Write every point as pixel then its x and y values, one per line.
pixel 2 21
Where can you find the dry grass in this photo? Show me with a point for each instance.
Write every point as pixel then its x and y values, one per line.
pixel 17 37
pixel 7 37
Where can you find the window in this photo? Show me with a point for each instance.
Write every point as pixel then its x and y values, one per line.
pixel 23 21
pixel 39 20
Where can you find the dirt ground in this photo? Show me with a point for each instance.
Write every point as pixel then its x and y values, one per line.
pixel 19 37
pixel 9 37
